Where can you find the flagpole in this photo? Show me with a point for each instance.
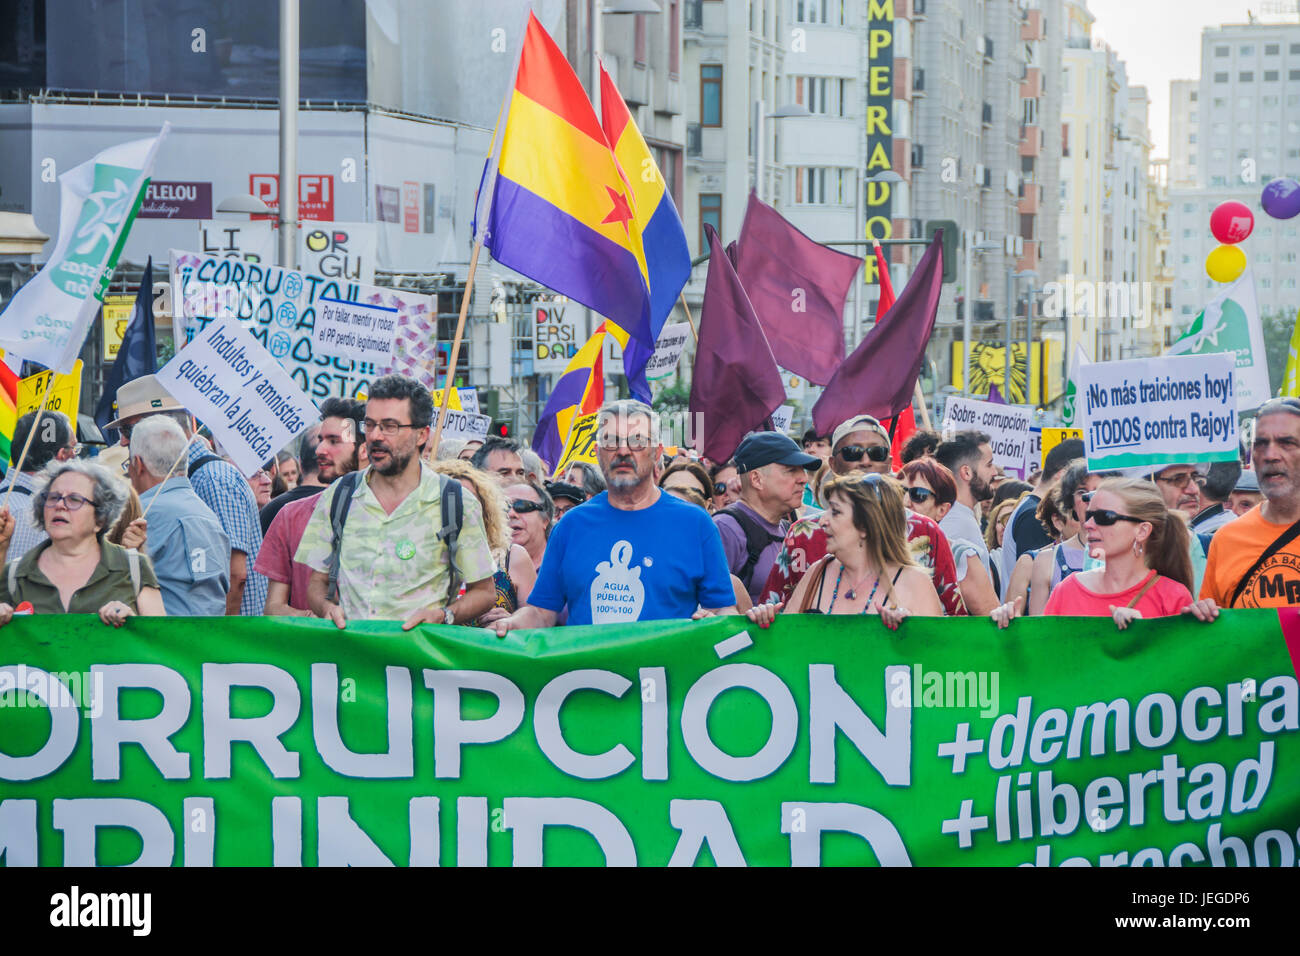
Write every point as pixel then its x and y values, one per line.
pixel 691 322
pixel 455 351
pixel 40 410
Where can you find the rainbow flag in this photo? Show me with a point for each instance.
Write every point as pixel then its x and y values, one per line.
pixel 579 391
pixel 561 212
pixel 667 256
pixel 8 412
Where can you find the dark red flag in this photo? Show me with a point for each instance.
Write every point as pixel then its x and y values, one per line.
pixel 880 376
pixel 798 288
pixel 736 385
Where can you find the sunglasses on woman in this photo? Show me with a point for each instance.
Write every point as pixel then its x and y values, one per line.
pixel 876 453
pixel 523 506
pixel 919 496
pixel 1104 517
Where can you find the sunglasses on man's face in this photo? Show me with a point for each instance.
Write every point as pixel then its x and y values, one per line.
pixel 876 453
pixel 523 506
pixel 919 496
pixel 1104 517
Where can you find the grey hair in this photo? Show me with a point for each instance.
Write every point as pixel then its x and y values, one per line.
pixel 110 493
pixel 533 462
pixel 158 442
pixel 625 408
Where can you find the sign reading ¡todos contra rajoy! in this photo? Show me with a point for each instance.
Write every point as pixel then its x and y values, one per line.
pixel 279 308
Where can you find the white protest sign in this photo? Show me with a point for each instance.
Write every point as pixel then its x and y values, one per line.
pixel 251 241
pixel 279 307
pixel 228 381
pixel 466 426
pixel 781 418
pixel 469 400
pixel 1159 411
pixel 1007 426
pixel 668 351
pixel 339 250
pixel 355 330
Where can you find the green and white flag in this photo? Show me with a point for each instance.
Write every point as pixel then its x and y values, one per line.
pixel 1230 323
pixel 47 320
pixel 1072 385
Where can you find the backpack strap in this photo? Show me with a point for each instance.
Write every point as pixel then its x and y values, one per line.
pixel 344 489
pixel 453 515
pixel 1280 542
pixel 199 462
pixel 757 538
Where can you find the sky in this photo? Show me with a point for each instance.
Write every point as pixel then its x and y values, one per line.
pixel 1160 40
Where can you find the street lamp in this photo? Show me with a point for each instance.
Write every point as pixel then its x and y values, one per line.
pixel 760 113
pixel 970 248
pixel 249 204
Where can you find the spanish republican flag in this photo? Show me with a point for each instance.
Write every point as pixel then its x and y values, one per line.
pixel 561 212
pixel 579 391
pixel 667 256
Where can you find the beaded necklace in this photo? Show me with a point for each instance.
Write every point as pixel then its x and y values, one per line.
pixel 836 592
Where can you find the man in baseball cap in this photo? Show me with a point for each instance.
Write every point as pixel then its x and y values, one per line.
pixel 773 473
pixel 860 444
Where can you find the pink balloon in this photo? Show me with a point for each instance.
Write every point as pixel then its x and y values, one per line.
pixel 1231 222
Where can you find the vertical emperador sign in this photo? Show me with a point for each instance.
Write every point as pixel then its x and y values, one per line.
pixel 880 125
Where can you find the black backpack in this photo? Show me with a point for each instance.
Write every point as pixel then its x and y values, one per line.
pixel 453 512
pixel 757 538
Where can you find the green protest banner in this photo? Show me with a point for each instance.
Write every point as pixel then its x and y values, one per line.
pixel 824 740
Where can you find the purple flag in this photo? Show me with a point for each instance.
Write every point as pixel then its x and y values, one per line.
pixel 798 288
pixel 736 385
pixel 879 377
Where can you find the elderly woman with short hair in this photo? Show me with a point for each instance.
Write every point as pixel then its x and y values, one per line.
pixel 78 570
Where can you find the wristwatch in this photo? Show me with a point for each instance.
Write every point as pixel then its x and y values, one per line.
pixel 449 615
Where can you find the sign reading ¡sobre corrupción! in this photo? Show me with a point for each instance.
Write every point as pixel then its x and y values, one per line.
pixel 1006 425
pixel 1159 411
pixel 233 385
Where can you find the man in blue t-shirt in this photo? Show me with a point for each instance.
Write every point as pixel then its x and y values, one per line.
pixel 631 553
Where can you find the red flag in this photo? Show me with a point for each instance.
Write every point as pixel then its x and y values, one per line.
pixel 886 287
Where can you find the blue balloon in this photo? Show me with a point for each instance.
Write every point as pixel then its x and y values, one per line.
pixel 1281 198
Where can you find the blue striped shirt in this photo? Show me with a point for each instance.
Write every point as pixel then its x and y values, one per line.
pixel 224 490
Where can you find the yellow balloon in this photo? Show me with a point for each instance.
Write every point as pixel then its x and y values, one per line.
pixel 1225 263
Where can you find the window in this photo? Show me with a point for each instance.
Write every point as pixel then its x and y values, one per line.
pixel 1270 49
pixel 1065 138
pixel 820 186
pixel 1220 129
pixel 1295 47
pixel 1221 51
pixel 1248 50
pixel 1270 76
pixel 1246 76
pixel 710 214
pixel 1191 137
pixel 1193 97
pixel 1218 154
pixel 674 39
pixel 1220 77
pixel 1269 127
pixel 1220 102
pixel 826 96
pixel 1266 283
pixel 1189 207
pixel 1245 128
pixel 1271 101
pixel 710 95
pixel 1293 74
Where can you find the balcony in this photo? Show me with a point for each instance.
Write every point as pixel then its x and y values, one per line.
pixel 1031 140
pixel 1030 200
pixel 1032 28
pixel 986 114
pixel 1031 85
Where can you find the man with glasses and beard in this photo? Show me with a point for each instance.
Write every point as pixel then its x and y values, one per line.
pixel 1254 560
pixel 399 554
pixel 861 445
pixel 969 456
pixel 634 552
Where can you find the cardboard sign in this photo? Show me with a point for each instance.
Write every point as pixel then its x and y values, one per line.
pixel 1159 411
pixel 668 351
pixel 280 306
pixel 558 329
pixel 468 399
pixel 781 418
pixel 117 316
pixel 339 250
pixel 250 241
pixel 581 445
pixel 1007 425
pixel 1053 437
pixel 231 383
pixel 454 404
pixel 65 396
pixel 355 330
pixel 465 426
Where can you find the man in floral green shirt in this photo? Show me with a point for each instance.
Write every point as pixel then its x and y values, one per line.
pixel 392 562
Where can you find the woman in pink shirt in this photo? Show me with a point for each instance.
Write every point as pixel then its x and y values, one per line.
pixel 1148 568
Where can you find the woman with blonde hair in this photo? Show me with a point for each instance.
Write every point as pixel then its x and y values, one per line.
pixel 1148 568
pixel 868 565
pixel 515 573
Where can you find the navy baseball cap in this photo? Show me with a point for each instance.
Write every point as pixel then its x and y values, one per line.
pixel 767 448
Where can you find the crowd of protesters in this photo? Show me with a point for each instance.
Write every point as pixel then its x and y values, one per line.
pixel 360 522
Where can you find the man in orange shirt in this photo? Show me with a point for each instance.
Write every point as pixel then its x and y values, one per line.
pixel 1254 561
